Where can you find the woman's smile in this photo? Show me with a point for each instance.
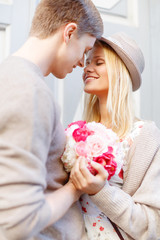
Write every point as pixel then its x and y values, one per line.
pixel 89 78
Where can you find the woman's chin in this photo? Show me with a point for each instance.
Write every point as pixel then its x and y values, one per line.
pixel 88 91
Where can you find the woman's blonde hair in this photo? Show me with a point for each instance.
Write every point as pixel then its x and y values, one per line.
pixel 50 15
pixel 120 97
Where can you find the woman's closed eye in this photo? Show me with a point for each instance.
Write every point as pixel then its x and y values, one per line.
pixel 99 62
pixel 95 62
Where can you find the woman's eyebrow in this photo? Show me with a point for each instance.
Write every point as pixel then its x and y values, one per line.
pixel 98 56
pixel 95 57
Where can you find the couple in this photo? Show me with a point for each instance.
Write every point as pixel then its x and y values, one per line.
pixel 38 200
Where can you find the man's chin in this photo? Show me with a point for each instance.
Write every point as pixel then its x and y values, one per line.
pixel 71 71
pixel 59 75
pixel 62 75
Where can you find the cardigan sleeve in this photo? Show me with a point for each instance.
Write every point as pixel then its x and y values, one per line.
pixel 137 215
pixel 26 125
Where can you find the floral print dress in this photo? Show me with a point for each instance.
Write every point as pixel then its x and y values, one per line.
pixel 98 227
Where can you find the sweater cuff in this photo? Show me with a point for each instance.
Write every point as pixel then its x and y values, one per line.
pixel 112 201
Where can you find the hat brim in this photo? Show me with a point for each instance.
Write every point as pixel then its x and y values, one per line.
pixel 134 72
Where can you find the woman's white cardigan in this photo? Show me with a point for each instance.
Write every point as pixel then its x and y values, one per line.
pixel 136 207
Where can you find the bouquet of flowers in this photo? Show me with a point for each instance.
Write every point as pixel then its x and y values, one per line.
pixel 93 142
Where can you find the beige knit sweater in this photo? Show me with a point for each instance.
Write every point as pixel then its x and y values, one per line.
pixel 136 207
pixel 31 142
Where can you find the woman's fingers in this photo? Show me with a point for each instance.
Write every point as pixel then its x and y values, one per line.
pixel 102 173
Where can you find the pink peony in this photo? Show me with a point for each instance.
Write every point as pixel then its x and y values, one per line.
pixel 79 123
pixel 111 168
pixel 81 134
pixel 106 160
pixel 80 149
pixel 96 146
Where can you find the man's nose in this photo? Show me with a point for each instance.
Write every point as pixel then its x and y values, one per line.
pixel 81 62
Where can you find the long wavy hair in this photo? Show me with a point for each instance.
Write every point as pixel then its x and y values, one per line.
pixel 120 96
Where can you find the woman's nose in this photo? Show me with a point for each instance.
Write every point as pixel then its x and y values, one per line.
pixel 88 68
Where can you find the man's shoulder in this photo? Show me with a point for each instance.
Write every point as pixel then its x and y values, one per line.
pixel 19 73
pixel 15 66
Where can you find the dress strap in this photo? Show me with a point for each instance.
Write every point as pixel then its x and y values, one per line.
pixel 117 230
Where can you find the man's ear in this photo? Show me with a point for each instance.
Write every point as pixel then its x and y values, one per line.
pixel 69 30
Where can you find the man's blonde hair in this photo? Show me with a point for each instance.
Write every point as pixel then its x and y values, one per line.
pixel 50 15
pixel 120 97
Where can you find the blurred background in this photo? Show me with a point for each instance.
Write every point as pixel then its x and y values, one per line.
pixel 138 18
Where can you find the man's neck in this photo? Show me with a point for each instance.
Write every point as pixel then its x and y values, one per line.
pixel 40 52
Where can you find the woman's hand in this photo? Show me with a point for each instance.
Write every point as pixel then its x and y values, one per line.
pixel 84 180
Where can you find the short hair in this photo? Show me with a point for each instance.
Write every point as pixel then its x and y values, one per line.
pixel 120 96
pixel 50 15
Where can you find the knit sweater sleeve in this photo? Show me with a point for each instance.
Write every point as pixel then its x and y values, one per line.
pixel 137 213
pixel 26 126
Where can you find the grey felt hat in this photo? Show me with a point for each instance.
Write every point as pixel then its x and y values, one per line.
pixel 128 50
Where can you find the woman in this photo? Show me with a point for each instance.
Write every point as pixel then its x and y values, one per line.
pixel 127 207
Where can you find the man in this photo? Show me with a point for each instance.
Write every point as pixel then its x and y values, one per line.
pixel 31 136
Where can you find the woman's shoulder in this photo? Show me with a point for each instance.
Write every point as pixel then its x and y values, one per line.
pixel 151 126
pixel 150 129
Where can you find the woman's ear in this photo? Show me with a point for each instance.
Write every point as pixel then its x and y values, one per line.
pixel 69 30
